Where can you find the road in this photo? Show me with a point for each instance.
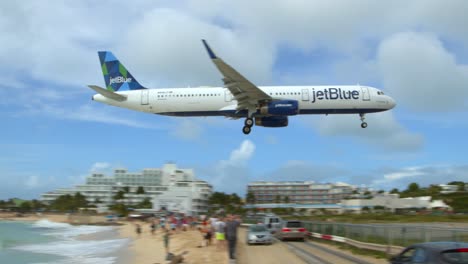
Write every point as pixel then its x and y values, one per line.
pixel 289 252
pixel 278 253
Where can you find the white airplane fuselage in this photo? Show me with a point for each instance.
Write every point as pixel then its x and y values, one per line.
pixel 218 101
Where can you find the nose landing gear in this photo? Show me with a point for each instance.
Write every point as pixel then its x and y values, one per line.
pixel 362 117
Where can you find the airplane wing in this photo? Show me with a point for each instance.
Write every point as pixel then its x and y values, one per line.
pixel 248 95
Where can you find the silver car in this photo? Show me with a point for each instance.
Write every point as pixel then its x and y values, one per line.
pixel 292 229
pixel 258 234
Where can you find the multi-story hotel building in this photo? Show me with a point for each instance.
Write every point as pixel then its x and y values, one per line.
pixel 299 192
pixel 170 188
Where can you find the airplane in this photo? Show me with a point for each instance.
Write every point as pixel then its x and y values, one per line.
pixel 267 106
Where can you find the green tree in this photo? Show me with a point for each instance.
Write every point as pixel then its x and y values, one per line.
pixel 434 190
pixel 286 199
pixel 231 203
pixel 146 203
pixel 250 198
pixel 140 190
pixel 413 187
pixel 394 190
pixel 69 203
pixel 126 189
pixel 25 206
pixel 277 199
pixel 80 200
pixel 119 195
pixel 120 209
pixel 36 205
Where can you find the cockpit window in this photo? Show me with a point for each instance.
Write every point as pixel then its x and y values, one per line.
pixel 380 93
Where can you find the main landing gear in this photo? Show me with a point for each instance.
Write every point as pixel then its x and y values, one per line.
pixel 363 124
pixel 248 125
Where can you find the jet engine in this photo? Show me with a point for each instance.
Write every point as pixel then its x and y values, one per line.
pixel 280 108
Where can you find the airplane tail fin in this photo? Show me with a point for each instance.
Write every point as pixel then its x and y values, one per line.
pixel 116 76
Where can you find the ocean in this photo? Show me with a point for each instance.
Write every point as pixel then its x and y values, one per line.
pixel 48 242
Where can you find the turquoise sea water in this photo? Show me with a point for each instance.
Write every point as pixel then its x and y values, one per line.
pixel 57 243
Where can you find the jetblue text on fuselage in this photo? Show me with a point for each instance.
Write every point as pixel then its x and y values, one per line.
pixel 334 94
pixel 120 79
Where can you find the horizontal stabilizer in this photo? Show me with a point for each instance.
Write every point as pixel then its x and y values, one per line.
pixel 108 94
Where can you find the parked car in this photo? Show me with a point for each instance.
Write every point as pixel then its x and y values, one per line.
pixel 432 253
pixel 259 234
pixel 291 229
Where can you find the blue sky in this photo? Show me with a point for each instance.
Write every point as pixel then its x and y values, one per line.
pixel 53 135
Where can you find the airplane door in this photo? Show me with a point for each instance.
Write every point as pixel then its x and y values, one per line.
pixel 144 96
pixel 305 94
pixel 227 96
pixel 365 93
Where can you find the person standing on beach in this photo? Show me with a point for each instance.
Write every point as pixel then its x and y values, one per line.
pixel 166 240
pixel 220 227
pixel 153 227
pixel 231 234
pixel 138 229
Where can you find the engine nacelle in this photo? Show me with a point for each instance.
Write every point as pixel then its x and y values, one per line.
pixel 280 108
pixel 272 121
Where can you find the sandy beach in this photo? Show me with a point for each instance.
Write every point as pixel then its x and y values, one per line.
pixel 146 248
pixel 149 249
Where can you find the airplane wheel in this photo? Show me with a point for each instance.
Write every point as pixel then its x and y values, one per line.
pixel 249 122
pixel 364 125
pixel 246 130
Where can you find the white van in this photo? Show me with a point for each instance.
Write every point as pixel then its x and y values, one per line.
pixel 272 222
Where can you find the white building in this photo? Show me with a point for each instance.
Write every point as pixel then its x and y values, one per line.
pixel 168 187
pixel 392 202
pixel 446 188
pixel 299 192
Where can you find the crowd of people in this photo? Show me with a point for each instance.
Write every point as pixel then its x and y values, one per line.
pixel 218 230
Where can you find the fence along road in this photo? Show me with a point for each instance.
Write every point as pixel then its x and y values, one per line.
pixel 401 235
pixel 331 255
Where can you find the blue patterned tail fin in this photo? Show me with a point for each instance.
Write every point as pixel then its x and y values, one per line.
pixel 116 76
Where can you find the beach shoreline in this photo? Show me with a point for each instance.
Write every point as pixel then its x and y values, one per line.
pixel 142 249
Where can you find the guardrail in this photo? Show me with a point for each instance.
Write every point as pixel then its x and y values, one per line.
pixel 391 250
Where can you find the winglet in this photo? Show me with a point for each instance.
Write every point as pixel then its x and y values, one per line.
pixel 209 50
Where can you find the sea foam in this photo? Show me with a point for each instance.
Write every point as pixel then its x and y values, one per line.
pixel 73 250
pixel 66 230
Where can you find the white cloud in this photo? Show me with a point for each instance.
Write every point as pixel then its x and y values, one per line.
pixel 404 173
pixel 100 166
pixel 417 68
pixel 169 52
pixel 424 175
pixel 233 174
pixel 243 154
